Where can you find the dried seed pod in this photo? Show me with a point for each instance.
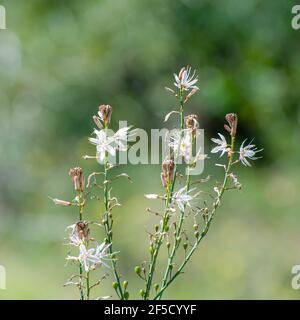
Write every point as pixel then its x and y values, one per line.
pixel 105 112
pixel 82 229
pixel 78 178
pixel 192 122
pixel 167 174
pixel 232 121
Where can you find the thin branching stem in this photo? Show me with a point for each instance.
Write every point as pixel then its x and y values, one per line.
pixel 108 228
pixel 166 216
pixel 80 206
pixel 207 225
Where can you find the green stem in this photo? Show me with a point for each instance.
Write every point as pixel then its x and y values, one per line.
pixel 108 228
pixel 80 205
pixel 207 226
pixel 88 286
pixel 170 191
pixel 177 238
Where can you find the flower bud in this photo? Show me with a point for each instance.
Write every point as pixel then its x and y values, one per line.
pixel 126 295
pixel 167 174
pixel 125 284
pixel 191 122
pixel 61 202
pixel 82 229
pixel 151 250
pixel 78 178
pixel 142 292
pixel 115 285
pixel 232 121
pixel 156 286
pixel 195 226
pixel 105 111
pixel 138 270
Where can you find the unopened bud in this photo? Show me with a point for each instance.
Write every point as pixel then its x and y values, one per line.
pixel 142 292
pixel 137 270
pixel 125 284
pixel 191 122
pixel 185 245
pixel 115 285
pixel 167 174
pixel 156 227
pixel 196 234
pixel 61 202
pixel 78 178
pixel 195 226
pixel 126 295
pixel 82 229
pixel 151 250
pixel 232 121
pixel 104 113
pixel 156 286
pixel 168 244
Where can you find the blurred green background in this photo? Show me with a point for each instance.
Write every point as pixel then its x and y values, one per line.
pixel 60 59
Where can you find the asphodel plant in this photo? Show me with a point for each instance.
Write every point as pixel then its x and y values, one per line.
pixel 188 208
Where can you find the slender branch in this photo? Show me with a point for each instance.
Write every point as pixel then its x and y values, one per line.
pixel 207 226
pixel 108 228
pixel 80 205
pixel 88 286
pixel 176 242
pixel 170 191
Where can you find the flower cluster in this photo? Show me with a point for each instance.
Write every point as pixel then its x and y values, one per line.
pixel 92 255
pixel 106 142
pixel 188 202
pixel 188 209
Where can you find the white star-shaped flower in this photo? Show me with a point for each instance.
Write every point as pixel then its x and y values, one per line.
pixel 221 145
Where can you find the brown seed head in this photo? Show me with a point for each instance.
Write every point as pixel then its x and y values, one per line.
pixel 191 121
pixel 77 178
pixel 232 121
pixel 167 174
pixel 82 229
pixel 105 111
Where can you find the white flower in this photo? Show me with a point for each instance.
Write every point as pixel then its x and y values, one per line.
pixel 181 142
pixel 90 258
pixel 184 80
pixel 103 144
pixel 248 152
pixel 122 136
pixel 109 144
pixel 74 235
pixel 222 145
pixel 182 198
